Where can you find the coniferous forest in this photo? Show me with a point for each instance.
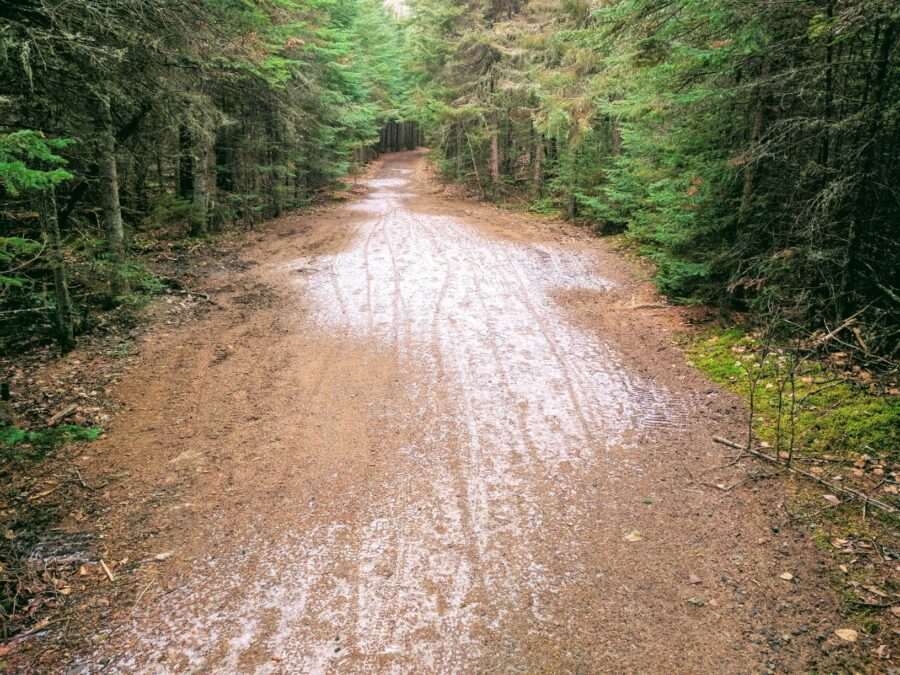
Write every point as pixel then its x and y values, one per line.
pixel 120 118
pixel 449 335
pixel 750 148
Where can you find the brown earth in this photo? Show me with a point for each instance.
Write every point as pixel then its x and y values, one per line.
pixel 419 434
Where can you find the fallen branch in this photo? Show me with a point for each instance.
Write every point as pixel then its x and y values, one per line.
pixel 107 570
pixel 825 338
pixel 62 414
pixel 887 508
pixel 651 305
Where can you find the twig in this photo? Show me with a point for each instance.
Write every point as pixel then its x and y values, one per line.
pixel 686 469
pixel 81 480
pixel 873 605
pixel 107 570
pixel 853 493
pixel 62 414
pixel 741 482
pixel 651 305
pixel 822 340
pixel 26 263
pixel 179 291
pixel 141 594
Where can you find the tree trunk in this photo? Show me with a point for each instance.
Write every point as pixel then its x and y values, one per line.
pixel 200 186
pixel 495 151
pixel 616 137
pixel 756 124
pixel 858 229
pixel 63 314
pixel 200 220
pixel 829 91
pixel 185 163
pixel 538 178
pixel 508 149
pixel 112 208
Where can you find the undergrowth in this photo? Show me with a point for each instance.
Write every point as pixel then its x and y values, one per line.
pixel 832 414
pixel 841 432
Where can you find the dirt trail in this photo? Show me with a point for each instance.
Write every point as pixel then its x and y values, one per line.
pixel 422 435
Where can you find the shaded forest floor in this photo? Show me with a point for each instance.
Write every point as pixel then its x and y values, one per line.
pixel 412 431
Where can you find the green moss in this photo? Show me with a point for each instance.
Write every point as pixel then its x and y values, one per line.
pixel 831 415
pixel 822 539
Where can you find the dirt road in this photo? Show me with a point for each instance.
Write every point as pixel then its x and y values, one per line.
pixel 423 435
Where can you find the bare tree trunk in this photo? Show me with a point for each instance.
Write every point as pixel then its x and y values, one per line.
pixel 495 151
pixel 858 229
pixel 616 133
pixel 112 208
pixel 200 221
pixel 756 124
pixel 185 164
pixel 538 165
pixel 829 90
pixel 63 315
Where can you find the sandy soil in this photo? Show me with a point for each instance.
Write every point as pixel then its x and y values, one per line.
pixel 425 435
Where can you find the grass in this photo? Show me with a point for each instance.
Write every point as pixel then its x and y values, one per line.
pixel 21 445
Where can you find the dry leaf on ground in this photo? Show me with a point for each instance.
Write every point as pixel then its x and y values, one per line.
pixel 847 634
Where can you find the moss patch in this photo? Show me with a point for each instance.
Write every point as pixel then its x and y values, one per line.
pixel 830 415
pixel 844 434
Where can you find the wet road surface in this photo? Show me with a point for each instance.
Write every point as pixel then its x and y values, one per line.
pixel 409 447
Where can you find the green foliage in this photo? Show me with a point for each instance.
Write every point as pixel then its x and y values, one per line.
pixel 206 113
pixel 750 149
pixel 22 445
pixel 28 161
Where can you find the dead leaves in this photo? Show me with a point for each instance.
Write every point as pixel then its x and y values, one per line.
pixel 633 536
pixel 847 634
pixel 881 652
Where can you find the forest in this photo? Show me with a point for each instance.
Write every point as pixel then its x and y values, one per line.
pixel 751 149
pixel 124 119
pixel 449 335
